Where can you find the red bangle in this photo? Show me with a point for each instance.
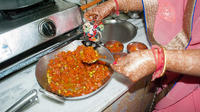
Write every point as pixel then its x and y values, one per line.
pixel 117 8
pixel 160 60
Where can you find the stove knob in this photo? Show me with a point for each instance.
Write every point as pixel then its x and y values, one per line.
pixel 47 28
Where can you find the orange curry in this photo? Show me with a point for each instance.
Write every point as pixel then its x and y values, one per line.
pixel 68 75
pixel 114 46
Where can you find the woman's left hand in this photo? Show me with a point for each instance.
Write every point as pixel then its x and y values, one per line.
pixel 136 65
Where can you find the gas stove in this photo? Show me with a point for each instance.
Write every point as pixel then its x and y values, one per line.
pixel 26 34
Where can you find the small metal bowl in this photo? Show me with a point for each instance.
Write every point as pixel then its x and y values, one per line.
pixel 42 65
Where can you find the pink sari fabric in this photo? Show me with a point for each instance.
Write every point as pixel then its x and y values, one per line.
pixel 185 95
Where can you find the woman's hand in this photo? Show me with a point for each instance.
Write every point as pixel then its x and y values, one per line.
pixel 136 65
pixel 101 11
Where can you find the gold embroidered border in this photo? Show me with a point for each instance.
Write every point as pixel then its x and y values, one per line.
pixel 179 42
pixel 150 9
pixel 182 38
pixel 187 19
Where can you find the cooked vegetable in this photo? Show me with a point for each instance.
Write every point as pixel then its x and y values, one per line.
pixel 135 46
pixel 68 75
pixel 114 46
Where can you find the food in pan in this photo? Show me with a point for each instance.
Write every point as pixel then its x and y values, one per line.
pixel 134 46
pixel 88 54
pixel 69 76
pixel 114 46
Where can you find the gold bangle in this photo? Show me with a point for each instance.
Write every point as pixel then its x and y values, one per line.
pixel 164 67
pixel 159 71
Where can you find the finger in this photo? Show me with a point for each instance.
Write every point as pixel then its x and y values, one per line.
pixel 90 15
pixel 98 20
pixel 87 16
pixel 118 66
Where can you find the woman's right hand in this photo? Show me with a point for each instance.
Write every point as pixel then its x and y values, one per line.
pixel 101 11
pixel 136 65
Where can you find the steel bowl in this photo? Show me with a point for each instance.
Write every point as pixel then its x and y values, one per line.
pixel 42 65
pixel 120 30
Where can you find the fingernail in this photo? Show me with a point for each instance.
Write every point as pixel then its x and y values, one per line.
pixel 114 62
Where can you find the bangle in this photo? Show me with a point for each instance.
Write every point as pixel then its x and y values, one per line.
pixel 92 30
pixel 117 8
pixel 160 60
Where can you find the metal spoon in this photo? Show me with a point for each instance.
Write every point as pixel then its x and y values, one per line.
pixel 107 60
pixel 101 59
pixel 101 51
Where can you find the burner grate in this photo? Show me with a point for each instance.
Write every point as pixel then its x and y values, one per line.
pixel 18 13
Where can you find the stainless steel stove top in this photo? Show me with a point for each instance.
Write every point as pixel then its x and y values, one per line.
pixel 20 35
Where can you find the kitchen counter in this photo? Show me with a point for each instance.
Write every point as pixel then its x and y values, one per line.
pixel 18 84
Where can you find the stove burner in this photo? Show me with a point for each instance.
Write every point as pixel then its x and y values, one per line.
pixel 18 13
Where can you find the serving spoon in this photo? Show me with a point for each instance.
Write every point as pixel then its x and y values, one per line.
pixel 102 51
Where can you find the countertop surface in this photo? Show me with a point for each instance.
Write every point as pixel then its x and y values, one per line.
pixel 18 84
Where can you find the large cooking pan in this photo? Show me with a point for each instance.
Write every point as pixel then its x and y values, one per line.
pixel 41 67
pixel 16 4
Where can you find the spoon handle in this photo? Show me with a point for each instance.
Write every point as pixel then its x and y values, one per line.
pixel 106 60
pixel 30 98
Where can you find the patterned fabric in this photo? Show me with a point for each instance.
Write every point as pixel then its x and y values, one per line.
pixel 92 31
pixel 172 29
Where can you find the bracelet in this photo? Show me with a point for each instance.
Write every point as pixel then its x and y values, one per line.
pixel 160 60
pixel 117 8
pixel 92 30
